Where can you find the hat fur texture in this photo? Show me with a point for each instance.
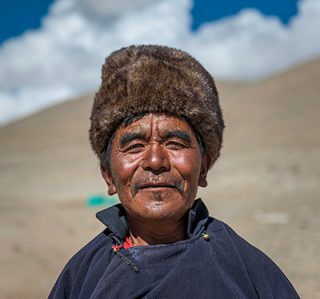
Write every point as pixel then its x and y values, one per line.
pixel 152 78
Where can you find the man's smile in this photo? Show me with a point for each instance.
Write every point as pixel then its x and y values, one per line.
pixel 158 187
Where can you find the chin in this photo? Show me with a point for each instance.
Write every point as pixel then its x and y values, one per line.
pixel 161 210
pixel 159 206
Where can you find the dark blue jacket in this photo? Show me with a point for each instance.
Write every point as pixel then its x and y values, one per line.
pixel 214 262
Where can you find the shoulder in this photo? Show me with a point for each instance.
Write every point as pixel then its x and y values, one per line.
pixel 264 274
pixel 225 235
pixel 89 260
pixel 90 252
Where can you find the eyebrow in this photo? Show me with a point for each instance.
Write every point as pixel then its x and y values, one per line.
pixel 179 134
pixel 128 137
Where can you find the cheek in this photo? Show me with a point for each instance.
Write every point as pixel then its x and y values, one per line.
pixel 188 165
pixel 123 168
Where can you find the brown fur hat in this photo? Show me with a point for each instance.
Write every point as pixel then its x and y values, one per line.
pixel 151 78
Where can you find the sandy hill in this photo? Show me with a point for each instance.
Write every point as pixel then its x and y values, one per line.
pixel 265 185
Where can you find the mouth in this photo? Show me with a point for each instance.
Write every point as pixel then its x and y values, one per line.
pixel 157 186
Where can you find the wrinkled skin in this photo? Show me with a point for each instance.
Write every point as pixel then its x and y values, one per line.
pixel 156 167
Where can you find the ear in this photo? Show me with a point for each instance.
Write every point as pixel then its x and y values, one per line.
pixel 205 165
pixel 106 174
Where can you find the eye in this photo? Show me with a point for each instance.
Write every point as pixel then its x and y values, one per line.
pixel 175 145
pixel 135 148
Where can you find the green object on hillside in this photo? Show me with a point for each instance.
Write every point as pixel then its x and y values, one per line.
pixel 97 200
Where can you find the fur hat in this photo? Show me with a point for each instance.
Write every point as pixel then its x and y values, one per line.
pixel 152 78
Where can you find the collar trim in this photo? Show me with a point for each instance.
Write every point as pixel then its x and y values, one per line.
pixel 115 221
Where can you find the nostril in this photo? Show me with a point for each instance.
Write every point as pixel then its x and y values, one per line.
pixel 156 171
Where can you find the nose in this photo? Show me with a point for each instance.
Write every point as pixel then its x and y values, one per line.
pixel 156 159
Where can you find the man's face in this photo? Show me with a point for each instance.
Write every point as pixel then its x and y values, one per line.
pixel 156 167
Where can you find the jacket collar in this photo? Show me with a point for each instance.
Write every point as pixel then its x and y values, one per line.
pixel 115 221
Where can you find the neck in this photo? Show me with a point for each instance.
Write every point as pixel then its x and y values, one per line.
pixel 156 232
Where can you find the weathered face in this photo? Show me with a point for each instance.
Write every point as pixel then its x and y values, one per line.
pixel 156 167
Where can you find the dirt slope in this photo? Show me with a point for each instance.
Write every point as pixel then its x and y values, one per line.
pixel 265 184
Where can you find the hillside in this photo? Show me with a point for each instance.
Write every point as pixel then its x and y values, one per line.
pixel 265 184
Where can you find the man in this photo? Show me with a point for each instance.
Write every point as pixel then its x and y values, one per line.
pixel 156 127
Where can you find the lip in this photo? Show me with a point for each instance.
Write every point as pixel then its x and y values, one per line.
pixel 157 186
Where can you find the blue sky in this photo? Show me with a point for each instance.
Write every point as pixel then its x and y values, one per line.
pixel 209 10
pixel 52 53
pixel 17 16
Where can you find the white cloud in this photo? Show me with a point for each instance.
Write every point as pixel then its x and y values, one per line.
pixel 109 8
pixel 252 46
pixel 64 57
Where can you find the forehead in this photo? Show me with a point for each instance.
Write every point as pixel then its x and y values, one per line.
pixel 158 122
